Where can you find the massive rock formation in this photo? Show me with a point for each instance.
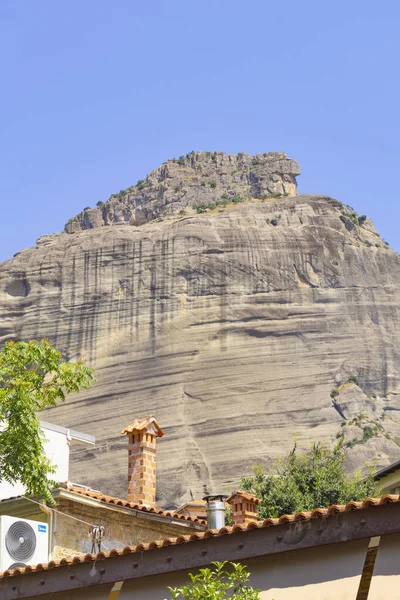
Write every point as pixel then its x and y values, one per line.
pixel 238 327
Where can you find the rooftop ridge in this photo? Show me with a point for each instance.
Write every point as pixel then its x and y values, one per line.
pixel 126 504
pixel 209 533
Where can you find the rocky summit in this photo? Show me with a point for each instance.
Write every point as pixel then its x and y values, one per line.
pixel 241 314
pixel 199 178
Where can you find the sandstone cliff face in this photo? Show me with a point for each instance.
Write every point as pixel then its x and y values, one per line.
pixel 198 178
pixel 232 326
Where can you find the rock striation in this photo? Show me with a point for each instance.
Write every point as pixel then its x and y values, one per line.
pixel 186 182
pixel 239 327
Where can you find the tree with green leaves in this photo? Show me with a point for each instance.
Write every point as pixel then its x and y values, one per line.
pixel 217 583
pixel 33 376
pixel 308 480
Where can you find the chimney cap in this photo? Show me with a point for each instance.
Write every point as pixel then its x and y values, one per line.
pixel 144 423
pixel 244 495
pixel 215 498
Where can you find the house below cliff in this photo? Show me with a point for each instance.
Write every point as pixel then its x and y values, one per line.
pixel 344 551
pixel 80 511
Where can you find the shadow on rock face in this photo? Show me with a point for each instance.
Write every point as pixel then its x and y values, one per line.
pixel 18 287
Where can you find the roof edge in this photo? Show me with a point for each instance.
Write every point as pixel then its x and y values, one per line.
pixel 381 516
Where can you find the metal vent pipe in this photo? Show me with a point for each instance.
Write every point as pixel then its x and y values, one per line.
pixel 215 511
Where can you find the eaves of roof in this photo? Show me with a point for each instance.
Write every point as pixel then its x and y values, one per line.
pixel 111 501
pixel 317 514
pixel 76 493
pixel 387 470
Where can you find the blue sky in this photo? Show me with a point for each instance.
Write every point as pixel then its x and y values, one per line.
pixel 97 93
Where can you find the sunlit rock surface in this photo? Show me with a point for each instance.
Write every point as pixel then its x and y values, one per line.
pixel 231 329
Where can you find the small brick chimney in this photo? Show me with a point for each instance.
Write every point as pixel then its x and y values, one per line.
pixel 142 448
pixel 244 507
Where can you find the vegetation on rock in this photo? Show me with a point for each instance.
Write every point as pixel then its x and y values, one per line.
pixel 181 183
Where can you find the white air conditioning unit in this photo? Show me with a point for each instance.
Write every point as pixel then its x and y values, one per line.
pixel 22 543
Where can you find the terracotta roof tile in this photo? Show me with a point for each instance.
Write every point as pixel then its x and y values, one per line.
pixel 119 502
pixel 140 424
pixel 194 537
pixel 245 495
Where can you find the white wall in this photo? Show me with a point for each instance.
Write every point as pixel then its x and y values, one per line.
pixel 386 576
pixel 56 449
pixel 331 572
pixel 387 484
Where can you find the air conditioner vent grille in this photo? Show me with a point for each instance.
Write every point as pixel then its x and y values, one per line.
pixel 20 541
pixel 16 565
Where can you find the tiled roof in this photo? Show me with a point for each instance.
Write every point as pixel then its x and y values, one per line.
pixel 245 496
pixel 110 500
pixel 139 424
pixel 317 513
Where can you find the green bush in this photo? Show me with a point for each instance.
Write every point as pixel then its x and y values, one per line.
pixel 353 379
pixel 353 217
pixel 368 433
pixel 87 208
pixel 362 219
pixel 334 392
pixel 235 199
pixel 274 222
pixel 217 583
pixel 212 205
pixel 181 161
pixel 303 481
pixel 213 184
pixel 100 204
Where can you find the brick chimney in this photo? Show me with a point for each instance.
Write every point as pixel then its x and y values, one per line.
pixel 142 448
pixel 244 507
